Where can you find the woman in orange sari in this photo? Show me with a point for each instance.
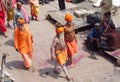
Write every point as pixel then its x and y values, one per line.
pixel 70 38
pixel 23 42
pixel 2 18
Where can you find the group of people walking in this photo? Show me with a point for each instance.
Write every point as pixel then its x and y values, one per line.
pixel 64 42
pixel 64 45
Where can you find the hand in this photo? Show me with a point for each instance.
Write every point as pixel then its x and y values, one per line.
pixel 17 50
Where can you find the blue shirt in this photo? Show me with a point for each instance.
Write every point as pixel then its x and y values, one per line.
pixel 95 34
pixel 16 15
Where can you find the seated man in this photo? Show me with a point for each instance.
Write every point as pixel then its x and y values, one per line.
pixel 93 39
pixel 112 41
pixel 107 21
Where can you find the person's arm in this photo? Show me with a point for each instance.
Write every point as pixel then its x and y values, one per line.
pixel 14 20
pixel 106 34
pixel 90 35
pixel 52 48
pixel 102 4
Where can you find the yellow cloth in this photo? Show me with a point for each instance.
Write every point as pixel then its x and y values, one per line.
pixel 10 14
pixel 60 57
pixel 34 10
pixel 23 40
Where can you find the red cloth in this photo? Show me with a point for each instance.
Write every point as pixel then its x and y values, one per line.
pixel 2 22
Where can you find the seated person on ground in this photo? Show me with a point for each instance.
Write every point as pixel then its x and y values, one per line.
pixel 93 38
pixel 112 41
pixel 107 21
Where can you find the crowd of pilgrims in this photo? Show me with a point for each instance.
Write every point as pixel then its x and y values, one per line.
pixel 102 36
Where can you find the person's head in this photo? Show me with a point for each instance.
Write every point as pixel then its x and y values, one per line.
pixel 19 5
pixel 68 18
pixel 96 26
pixel 111 27
pixel 107 15
pixel 20 23
pixel 59 28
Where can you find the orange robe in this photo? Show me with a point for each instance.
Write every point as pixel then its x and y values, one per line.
pixel 23 42
pixel 71 47
pixel 60 57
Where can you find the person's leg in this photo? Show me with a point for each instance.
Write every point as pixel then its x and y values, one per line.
pixel 46 1
pixel 92 49
pixel 32 11
pixel 61 4
pixel 36 12
pixel 65 71
pixel 103 46
pixel 5 34
pixel 27 60
pixel 55 68
pixel 71 61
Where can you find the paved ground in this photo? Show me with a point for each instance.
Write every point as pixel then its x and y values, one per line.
pixel 86 70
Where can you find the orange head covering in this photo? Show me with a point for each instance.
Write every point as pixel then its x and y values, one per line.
pixel 59 30
pixel 21 21
pixel 68 17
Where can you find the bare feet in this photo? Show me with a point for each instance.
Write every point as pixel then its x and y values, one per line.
pixel 32 17
pixel 72 65
pixel 30 69
pixel 68 78
pixel 5 35
pixel 37 19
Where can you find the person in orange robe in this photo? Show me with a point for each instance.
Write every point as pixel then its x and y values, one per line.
pixel 70 38
pixel 23 42
pixel 58 47
pixel 2 18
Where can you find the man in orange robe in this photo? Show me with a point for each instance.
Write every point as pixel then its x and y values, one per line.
pixel 70 38
pixel 58 47
pixel 23 42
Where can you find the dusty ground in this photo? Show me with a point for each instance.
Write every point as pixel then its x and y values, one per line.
pixel 85 70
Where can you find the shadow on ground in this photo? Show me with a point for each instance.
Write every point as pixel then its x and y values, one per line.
pixel 17 64
pixel 9 43
pixel 49 72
